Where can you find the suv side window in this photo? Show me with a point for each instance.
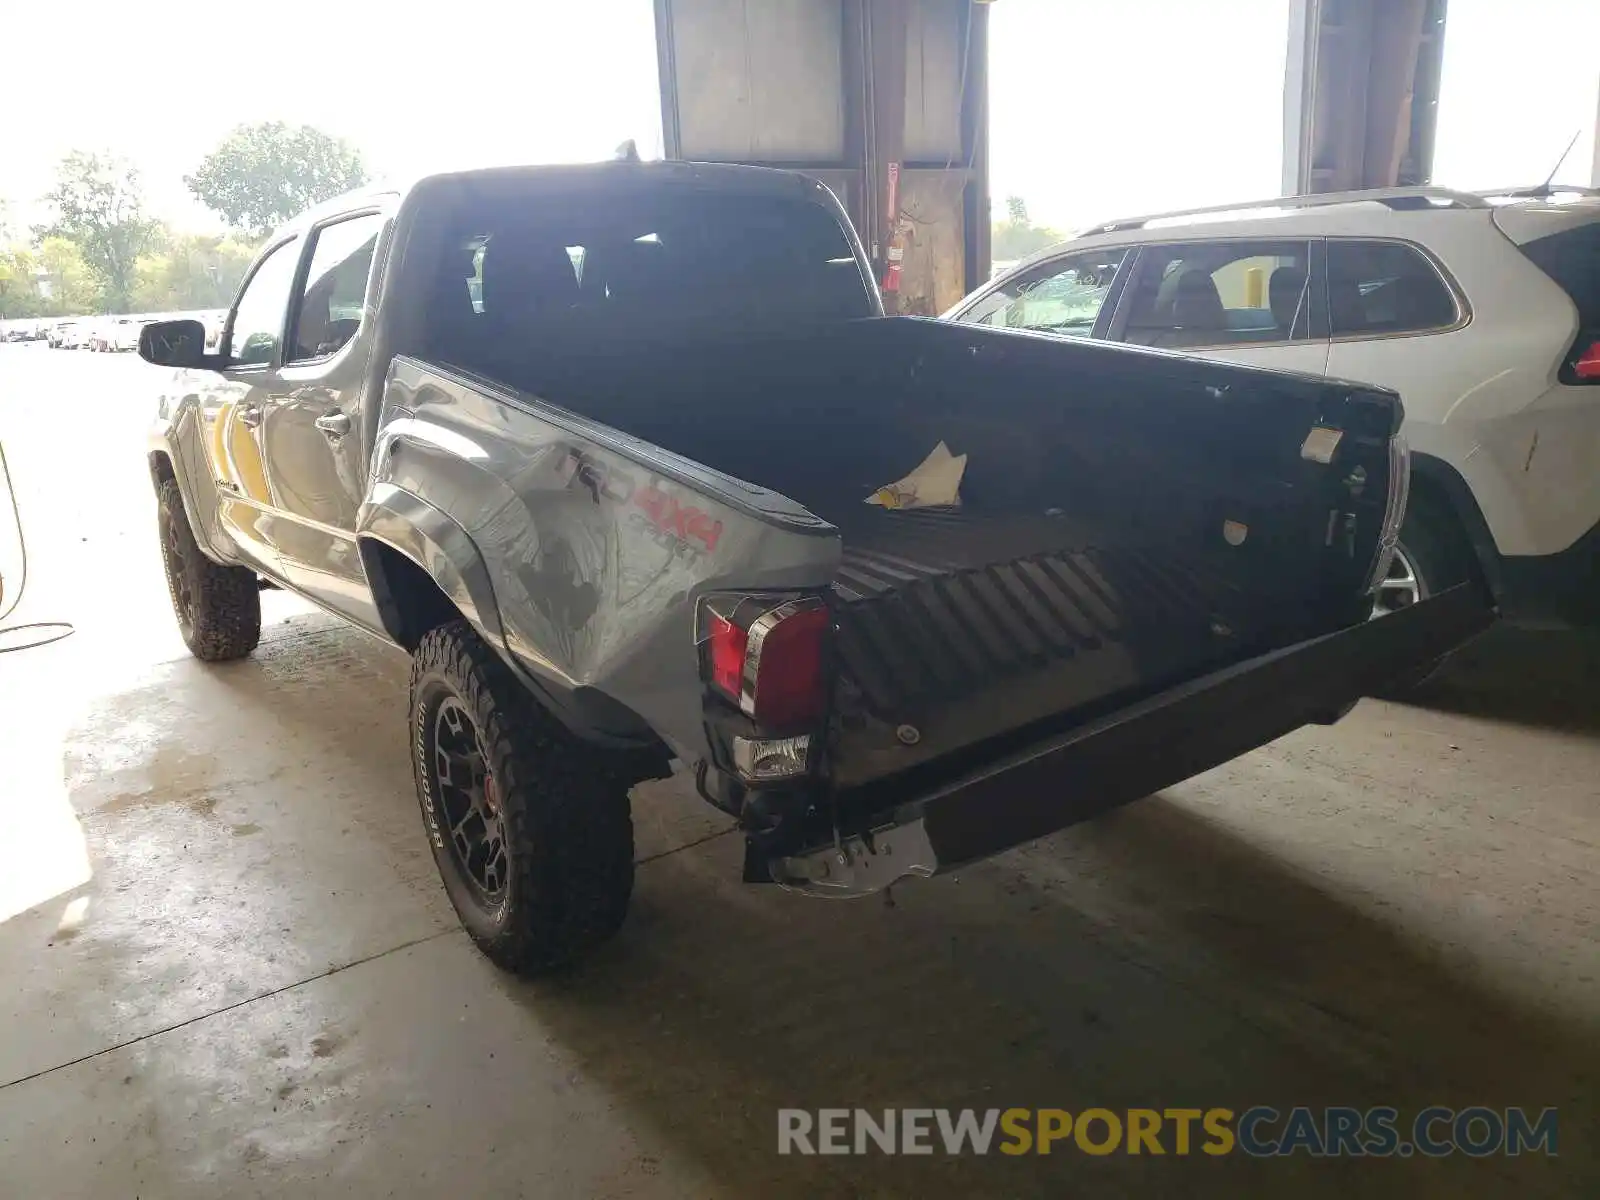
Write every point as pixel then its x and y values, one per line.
pixel 259 315
pixel 1376 289
pixel 336 286
pixel 1064 295
pixel 1220 294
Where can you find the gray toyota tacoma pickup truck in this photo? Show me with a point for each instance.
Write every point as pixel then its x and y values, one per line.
pixel 594 444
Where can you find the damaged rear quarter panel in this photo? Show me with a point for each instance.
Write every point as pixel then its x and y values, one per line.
pixel 597 545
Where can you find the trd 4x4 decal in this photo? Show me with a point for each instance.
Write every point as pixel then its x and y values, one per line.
pixel 660 509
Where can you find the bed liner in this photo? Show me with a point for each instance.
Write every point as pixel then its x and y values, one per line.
pixel 962 626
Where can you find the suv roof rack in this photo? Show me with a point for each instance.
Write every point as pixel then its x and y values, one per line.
pixel 1397 198
pixel 1540 191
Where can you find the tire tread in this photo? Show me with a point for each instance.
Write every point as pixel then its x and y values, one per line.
pixel 568 825
pixel 227 611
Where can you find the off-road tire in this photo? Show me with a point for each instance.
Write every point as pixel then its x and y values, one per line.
pixel 568 834
pixel 218 607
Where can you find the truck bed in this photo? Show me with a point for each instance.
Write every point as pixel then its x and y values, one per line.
pixel 1129 519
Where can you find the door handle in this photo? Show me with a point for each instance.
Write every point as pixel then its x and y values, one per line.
pixel 334 424
pixel 250 416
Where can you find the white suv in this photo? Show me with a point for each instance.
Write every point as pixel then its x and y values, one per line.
pixel 1481 310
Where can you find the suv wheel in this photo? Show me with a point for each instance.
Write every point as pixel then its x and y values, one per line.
pixel 1401 587
pixel 529 828
pixel 1431 556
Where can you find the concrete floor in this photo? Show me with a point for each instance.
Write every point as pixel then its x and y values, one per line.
pixel 230 969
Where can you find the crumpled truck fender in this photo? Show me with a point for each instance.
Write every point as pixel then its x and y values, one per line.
pixel 438 546
pixel 595 547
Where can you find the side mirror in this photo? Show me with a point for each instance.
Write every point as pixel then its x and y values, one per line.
pixel 177 344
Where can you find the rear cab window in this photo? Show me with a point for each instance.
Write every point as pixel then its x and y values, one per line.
pixel 1383 289
pixel 1235 293
pixel 588 268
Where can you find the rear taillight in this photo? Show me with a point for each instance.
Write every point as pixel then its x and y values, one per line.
pixel 725 647
pixel 1587 365
pixel 767 655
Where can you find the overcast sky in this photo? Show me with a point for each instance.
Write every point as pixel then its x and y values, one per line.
pixel 1098 108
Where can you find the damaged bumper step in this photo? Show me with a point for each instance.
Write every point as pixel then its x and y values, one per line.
pixel 1135 751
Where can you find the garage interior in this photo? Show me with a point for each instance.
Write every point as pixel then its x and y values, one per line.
pixel 231 970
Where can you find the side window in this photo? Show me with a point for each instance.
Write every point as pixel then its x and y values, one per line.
pixel 336 286
pixel 1220 294
pixel 1064 295
pixel 1380 288
pixel 259 315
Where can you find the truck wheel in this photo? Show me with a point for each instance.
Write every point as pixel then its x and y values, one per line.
pixel 218 608
pixel 530 830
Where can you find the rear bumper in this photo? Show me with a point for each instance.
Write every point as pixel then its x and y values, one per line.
pixel 1559 589
pixel 1135 751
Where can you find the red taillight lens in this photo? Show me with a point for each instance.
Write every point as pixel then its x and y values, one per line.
pixel 1588 364
pixel 727 646
pixel 784 665
pixel 768 658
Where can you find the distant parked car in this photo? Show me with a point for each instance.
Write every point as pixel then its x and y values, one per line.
pixel 124 334
pixel 113 334
pixel 74 335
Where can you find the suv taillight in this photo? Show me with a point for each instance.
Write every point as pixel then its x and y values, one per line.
pixel 766 655
pixel 1586 366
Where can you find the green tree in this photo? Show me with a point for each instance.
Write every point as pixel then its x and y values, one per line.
pixel 1016 236
pixel 191 271
pixel 264 174
pixel 72 288
pixel 98 207
pixel 19 289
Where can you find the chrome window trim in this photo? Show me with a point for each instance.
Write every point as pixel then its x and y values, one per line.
pixel 298 299
pixel 1457 296
pixel 1232 239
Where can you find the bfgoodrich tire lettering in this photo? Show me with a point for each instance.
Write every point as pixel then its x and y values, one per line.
pixel 218 607
pixel 567 873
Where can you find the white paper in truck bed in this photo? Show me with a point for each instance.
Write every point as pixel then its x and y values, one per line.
pixel 937 481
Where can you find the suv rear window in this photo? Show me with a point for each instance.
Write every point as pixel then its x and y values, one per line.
pixel 1220 294
pixel 1376 289
pixel 1572 259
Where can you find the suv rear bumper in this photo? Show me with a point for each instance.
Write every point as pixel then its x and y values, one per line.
pixel 1135 751
pixel 1560 589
